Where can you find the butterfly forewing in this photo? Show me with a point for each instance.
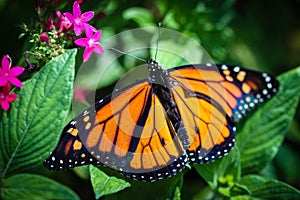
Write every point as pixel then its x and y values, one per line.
pixel 236 90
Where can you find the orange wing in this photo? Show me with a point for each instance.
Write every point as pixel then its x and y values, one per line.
pixel 132 131
pixel 211 98
pixel 128 130
pixel 199 95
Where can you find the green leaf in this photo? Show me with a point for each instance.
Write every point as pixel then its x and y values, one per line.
pixel 244 198
pixel 143 17
pixel 83 172
pixel 264 131
pixel 30 186
pixel 104 185
pixel 32 126
pixel 223 172
pixel 177 49
pixel 262 188
pixel 170 21
pixel 177 193
pixel 172 187
pixel 239 189
pixel 287 154
pixel 169 188
pixel 206 193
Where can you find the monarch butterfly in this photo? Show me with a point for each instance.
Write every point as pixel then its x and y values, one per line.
pixel 152 128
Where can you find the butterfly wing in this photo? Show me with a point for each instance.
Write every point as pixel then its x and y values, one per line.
pixel 129 131
pixel 133 132
pixel 70 151
pixel 211 99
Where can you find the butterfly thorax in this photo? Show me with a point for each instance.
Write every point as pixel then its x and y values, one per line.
pixel 157 75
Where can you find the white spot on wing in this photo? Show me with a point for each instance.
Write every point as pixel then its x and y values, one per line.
pixel 224 67
pixel 236 69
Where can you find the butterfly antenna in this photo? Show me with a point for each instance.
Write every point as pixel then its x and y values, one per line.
pixel 124 53
pixel 158 37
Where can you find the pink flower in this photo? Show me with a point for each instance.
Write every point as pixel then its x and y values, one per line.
pixel 91 42
pixel 8 75
pixel 62 23
pixel 5 97
pixel 44 37
pixel 77 19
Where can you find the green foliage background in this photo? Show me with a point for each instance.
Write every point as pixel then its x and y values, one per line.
pixel 256 34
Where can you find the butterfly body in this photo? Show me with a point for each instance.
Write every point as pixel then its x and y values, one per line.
pixel 151 129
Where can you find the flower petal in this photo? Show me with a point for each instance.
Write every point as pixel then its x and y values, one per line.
pixel 87 16
pixel 76 9
pixel 15 81
pixel 99 49
pixel 6 89
pixel 3 80
pixel 89 29
pixel 58 14
pixel 87 54
pixel 11 97
pixel 93 28
pixel 70 17
pixel 6 62
pixel 16 71
pixel 97 35
pixel 5 105
pixel 82 42
pixel 78 29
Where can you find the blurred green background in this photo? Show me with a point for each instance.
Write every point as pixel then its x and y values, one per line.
pixel 257 34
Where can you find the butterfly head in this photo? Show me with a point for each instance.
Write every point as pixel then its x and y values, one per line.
pixel 157 75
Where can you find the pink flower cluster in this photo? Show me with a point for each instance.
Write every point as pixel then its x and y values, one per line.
pixel 8 78
pixel 78 22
